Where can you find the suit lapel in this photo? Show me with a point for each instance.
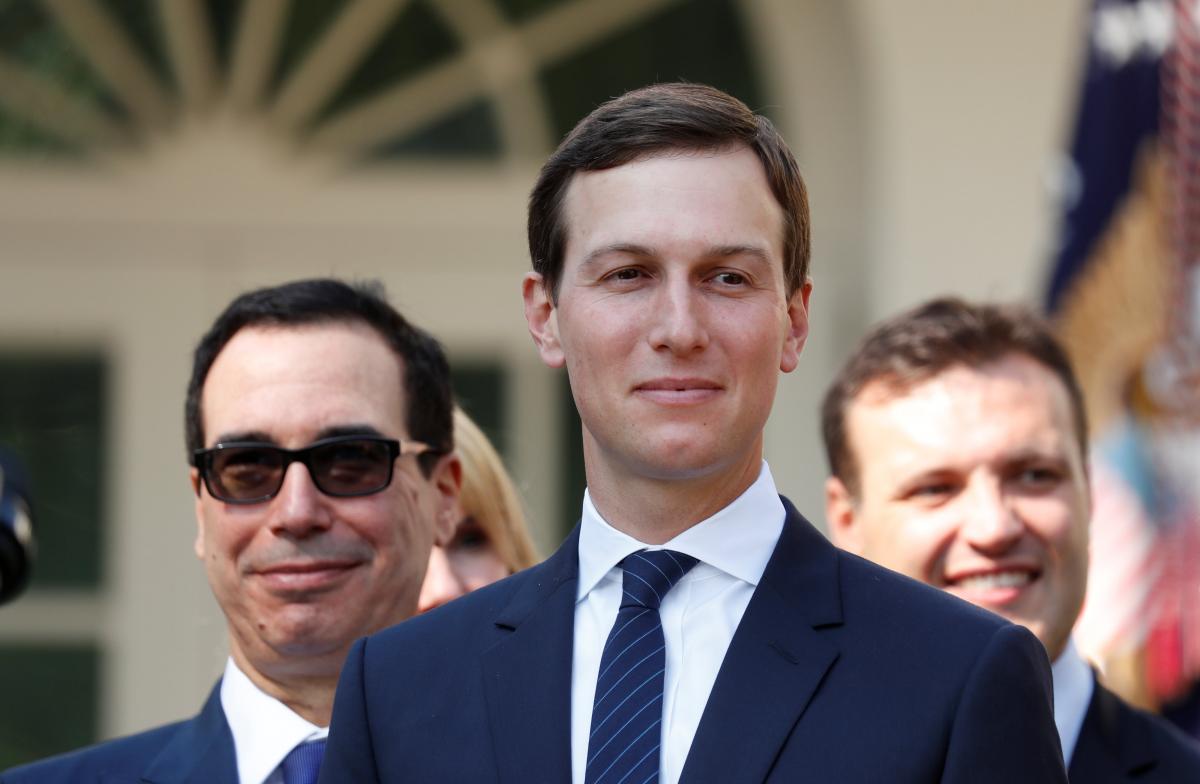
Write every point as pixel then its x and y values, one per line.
pixel 527 675
pixel 775 662
pixel 201 751
pixel 1111 746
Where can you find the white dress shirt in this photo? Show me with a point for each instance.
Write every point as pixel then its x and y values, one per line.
pixel 699 615
pixel 1073 686
pixel 264 729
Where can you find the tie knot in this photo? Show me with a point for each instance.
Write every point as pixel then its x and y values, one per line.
pixel 649 574
pixel 303 763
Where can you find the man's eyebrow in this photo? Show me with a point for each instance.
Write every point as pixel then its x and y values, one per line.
pixel 634 249
pixel 260 437
pixel 348 430
pixel 1036 455
pixel 725 251
pixel 624 248
pixel 244 436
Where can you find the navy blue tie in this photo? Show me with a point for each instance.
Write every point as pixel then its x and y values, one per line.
pixel 303 763
pixel 627 713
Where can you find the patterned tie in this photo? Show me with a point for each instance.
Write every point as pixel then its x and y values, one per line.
pixel 303 763
pixel 627 712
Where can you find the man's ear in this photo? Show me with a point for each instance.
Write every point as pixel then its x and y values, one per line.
pixel 542 318
pixel 797 334
pixel 841 514
pixel 447 480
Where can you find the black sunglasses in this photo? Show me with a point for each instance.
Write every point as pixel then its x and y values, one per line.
pixel 248 472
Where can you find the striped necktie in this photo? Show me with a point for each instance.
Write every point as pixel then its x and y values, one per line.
pixel 627 713
pixel 303 763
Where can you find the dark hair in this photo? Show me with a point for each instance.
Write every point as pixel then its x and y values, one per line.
pixel 326 300
pixel 650 120
pixel 927 340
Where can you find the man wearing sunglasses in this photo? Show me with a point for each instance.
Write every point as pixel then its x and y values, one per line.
pixel 319 427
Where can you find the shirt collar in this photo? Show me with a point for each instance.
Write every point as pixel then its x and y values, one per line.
pixel 264 729
pixel 737 540
pixel 1073 686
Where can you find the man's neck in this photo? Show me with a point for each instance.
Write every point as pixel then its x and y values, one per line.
pixel 308 695
pixel 654 511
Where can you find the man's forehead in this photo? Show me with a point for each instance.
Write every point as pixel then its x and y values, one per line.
pixel 709 157
pixel 626 204
pixel 895 383
pixel 1013 399
pixel 274 350
pixel 303 380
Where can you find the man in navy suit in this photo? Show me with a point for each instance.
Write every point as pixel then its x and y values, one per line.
pixel 957 441
pixel 320 427
pixel 693 627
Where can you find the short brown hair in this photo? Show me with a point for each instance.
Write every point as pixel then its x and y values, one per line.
pixel 921 343
pixel 650 120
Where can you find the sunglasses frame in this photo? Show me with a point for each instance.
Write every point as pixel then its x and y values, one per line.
pixel 203 459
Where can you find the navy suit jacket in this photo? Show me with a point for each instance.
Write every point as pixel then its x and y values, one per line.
pixel 1119 743
pixel 840 671
pixel 196 751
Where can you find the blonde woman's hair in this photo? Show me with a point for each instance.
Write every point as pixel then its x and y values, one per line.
pixel 489 496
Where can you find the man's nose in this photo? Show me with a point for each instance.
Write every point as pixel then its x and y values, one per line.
pixel 441 583
pixel 300 508
pixel 992 524
pixel 678 318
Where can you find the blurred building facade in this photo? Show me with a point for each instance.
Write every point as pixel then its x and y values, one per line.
pixel 157 158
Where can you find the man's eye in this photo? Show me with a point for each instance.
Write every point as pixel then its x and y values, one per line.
pixel 629 273
pixel 1039 477
pixel 932 490
pixel 244 473
pixel 730 278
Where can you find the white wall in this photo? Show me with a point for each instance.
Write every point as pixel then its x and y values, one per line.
pixel 924 129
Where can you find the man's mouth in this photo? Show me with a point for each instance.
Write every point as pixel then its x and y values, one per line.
pixel 305 576
pixel 994 580
pixel 678 384
pixel 678 390
pixel 994 588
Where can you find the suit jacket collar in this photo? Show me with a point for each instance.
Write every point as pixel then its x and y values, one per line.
pixel 201 752
pixel 544 581
pixel 1111 746
pixel 737 540
pixel 527 674
pixel 777 649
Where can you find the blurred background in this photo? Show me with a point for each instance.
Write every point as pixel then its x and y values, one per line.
pixel 157 157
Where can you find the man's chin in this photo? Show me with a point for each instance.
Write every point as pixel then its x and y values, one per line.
pixel 312 643
pixel 311 629
pixel 680 465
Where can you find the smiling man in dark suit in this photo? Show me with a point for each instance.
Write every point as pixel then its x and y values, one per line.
pixel 694 627
pixel 319 423
pixel 958 441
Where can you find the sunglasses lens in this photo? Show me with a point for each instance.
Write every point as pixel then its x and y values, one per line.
pixel 246 473
pixel 352 467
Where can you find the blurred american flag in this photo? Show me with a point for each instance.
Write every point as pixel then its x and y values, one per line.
pixel 1124 292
